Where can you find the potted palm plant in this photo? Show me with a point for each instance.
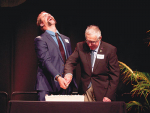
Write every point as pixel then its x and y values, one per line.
pixel 140 89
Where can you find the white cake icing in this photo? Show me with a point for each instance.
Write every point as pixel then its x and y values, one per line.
pixel 65 98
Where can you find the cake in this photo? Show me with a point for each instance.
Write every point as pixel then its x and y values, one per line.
pixel 65 98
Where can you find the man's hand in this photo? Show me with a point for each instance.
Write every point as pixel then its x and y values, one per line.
pixel 106 99
pixel 62 82
pixel 68 78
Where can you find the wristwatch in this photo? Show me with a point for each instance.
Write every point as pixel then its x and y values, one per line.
pixel 56 78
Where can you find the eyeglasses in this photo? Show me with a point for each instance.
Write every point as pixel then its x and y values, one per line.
pixel 92 42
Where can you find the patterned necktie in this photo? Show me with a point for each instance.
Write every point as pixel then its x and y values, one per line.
pixel 61 48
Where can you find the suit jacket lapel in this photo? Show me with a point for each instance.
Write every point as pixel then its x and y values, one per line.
pixel 100 51
pixel 56 46
pixel 88 56
pixel 63 39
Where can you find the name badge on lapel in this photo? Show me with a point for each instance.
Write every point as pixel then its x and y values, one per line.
pixel 100 56
pixel 66 40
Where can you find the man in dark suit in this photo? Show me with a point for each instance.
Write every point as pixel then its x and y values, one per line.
pixel 99 66
pixel 52 49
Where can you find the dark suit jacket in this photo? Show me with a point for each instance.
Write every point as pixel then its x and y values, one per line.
pixel 105 75
pixel 50 61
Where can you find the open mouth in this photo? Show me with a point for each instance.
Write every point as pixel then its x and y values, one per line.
pixel 49 18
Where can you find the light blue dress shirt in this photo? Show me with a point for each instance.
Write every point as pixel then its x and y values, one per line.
pixel 95 55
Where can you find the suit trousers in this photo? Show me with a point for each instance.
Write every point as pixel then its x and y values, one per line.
pixel 89 95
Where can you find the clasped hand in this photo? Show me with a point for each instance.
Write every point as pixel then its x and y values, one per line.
pixel 64 82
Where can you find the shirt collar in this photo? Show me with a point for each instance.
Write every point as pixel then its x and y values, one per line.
pixel 52 33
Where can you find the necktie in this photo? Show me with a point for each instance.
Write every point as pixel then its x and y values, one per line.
pixel 61 48
pixel 92 57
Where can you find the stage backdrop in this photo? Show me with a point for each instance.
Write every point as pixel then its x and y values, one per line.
pixel 123 24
